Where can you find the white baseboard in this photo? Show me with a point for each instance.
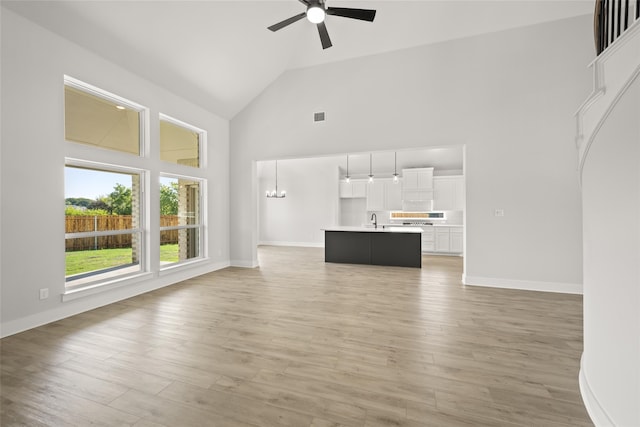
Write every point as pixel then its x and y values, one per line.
pixel 442 253
pixel 244 264
pixel 597 413
pixel 295 244
pixel 525 285
pixel 91 302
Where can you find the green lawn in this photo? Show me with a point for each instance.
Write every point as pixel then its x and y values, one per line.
pixel 86 261
pixel 169 253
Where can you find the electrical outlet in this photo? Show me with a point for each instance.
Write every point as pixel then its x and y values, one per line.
pixel 498 212
pixel 44 293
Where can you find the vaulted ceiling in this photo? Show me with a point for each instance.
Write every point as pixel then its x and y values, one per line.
pixel 220 55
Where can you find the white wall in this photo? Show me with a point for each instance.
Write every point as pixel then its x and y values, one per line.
pixel 34 62
pixel 610 371
pixel 311 202
pixel 509 96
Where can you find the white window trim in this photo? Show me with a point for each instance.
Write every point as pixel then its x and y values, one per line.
pixel 106 283
pixel 98 287
pixel 202 140
pixel 143 111
pixel 201 226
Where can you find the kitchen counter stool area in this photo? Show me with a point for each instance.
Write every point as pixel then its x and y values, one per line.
pixel 391 246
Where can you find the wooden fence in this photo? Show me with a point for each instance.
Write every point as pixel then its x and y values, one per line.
pixel 88 223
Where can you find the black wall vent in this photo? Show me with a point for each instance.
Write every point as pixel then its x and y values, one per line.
pixel 318 117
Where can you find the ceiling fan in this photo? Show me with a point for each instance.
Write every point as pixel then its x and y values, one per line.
pixel 317 11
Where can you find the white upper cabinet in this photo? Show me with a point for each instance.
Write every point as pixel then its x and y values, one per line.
pixel 375 195
pixel 353 189
pixel 359 188
pixel 417 179
pixel 345 189
pixel 384 195
pixel 393 195
pixel 448 193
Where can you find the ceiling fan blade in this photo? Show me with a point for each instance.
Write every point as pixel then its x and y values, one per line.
pixel 288 21
pixel 324 35
pixel 304 2
pixel 362 14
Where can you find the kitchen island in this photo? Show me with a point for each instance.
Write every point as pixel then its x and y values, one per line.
pixel 384 245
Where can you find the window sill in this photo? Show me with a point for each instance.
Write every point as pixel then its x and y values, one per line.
pixel 171 268
pixel 96 288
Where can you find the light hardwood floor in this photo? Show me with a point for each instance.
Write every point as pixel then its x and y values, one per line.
pixel 298 342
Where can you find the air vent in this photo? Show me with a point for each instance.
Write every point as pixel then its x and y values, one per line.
pixel 318 117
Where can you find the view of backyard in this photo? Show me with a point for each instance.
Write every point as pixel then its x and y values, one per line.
pixel 96 250
pixel 92 260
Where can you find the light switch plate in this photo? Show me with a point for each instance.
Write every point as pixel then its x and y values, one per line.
pixel 498 212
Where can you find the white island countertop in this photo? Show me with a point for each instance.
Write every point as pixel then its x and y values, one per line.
pixel 381 229
pixel 423 225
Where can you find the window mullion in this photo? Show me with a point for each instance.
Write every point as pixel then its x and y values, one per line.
pixel 179 227
pixel 82 234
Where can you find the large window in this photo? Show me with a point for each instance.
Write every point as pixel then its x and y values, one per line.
pixel 103 233
pixel 181 227
pixel 95 118
pixel 180 143
pixel 104 207
pixel 107 215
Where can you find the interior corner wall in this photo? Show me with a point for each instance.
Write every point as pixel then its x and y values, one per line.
pixel 34 62
pixel 509 96
pixel 610 368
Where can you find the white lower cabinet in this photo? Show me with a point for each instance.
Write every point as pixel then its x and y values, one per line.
pixel 428 239
pixel 443 239
pixel 455 240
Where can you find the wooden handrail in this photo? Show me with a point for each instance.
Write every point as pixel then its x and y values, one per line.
pixel 611 18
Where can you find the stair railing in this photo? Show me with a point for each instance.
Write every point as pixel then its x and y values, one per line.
pixel 611 19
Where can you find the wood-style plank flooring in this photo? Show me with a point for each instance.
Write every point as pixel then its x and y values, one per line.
pixel 298 342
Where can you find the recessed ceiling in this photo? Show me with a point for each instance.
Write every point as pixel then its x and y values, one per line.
pixel 220 55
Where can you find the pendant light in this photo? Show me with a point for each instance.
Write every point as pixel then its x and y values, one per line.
pixel 395 167
pixel 274 194
pixel 347 177
pixel 370 167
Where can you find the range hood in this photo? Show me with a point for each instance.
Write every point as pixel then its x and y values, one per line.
pixel 417 189
pixel 424 205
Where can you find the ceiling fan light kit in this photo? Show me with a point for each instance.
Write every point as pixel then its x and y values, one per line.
pixel 316 14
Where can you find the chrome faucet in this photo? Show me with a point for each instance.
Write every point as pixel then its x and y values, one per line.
pixel 374 218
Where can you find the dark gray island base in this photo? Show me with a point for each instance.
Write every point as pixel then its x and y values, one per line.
pixel 375 247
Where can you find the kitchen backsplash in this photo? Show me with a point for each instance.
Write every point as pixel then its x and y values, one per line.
pixel 451 217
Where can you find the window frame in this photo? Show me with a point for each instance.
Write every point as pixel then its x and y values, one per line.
pixel 202 140
pixel 100 277
pixel 111 97
pixel 90 156
pixel 200 226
